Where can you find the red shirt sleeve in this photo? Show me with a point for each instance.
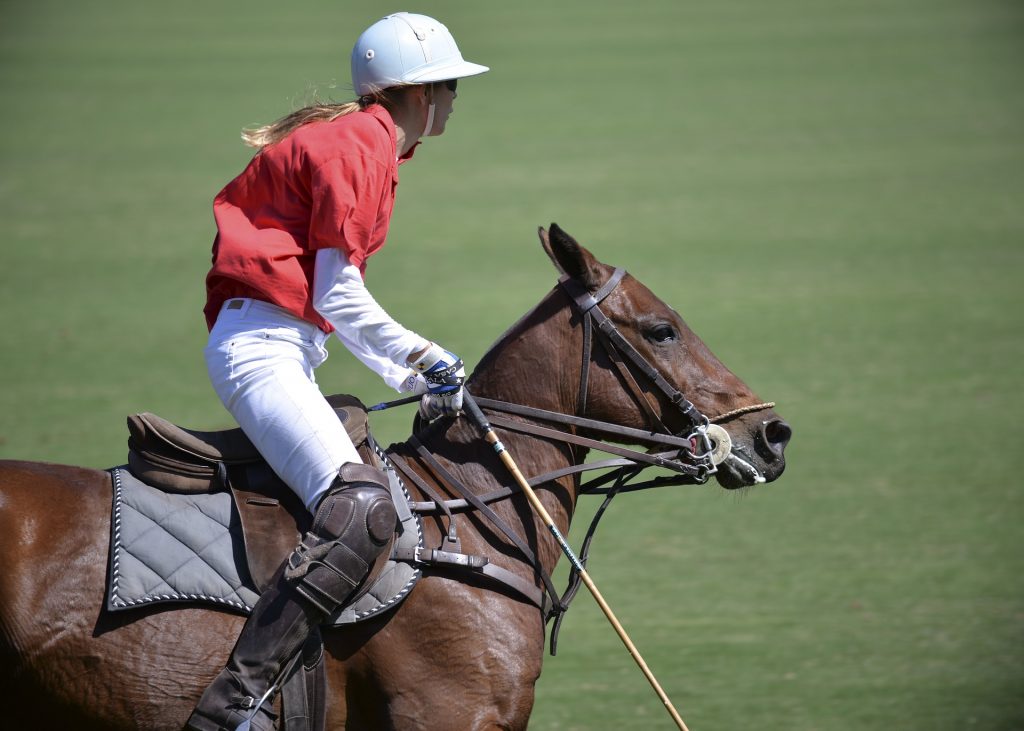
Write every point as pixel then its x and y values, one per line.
pixel 346 194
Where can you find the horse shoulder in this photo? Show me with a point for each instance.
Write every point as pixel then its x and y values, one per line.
pixel 447 641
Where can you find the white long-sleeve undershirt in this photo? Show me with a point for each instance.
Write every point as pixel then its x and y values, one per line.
pixel 361 324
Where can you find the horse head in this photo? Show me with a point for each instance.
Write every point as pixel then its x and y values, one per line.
pixel 640 367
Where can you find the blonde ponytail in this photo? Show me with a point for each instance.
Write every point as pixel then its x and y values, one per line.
pixel 268 134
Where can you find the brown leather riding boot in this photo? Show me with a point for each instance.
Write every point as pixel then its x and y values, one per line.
pixel 351 534
pixel 275 631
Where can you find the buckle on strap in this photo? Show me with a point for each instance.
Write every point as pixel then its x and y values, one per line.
pixel 302 558
pixel 437 557
pixel 583 299
pixel 246 702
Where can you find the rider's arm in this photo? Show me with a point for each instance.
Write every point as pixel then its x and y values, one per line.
pixel 362 325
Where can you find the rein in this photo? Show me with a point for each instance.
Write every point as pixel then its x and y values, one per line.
pixel 688 457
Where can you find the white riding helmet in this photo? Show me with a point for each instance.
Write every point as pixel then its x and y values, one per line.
pixel 406 48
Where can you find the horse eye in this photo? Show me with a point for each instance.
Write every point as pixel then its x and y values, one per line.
pixel 661 334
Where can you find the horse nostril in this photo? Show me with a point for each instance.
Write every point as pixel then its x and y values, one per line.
pixel 775 435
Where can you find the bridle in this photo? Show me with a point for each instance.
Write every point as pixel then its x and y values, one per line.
pixel 615 344
pixel 688 453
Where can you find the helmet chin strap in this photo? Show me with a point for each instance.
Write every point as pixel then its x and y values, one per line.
pixel 429 89
pixel 430 120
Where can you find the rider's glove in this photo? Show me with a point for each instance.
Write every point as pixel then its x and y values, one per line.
pixel 444 374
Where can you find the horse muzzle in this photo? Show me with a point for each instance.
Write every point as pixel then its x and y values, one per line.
pixel 758 450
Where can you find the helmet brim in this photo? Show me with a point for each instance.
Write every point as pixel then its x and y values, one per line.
pixel 457 70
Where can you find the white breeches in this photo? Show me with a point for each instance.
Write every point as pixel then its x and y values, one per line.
pixel 261 359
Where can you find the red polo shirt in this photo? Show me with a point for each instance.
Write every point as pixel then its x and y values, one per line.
pixel 327 184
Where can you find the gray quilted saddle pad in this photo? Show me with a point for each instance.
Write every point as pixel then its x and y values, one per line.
pixel 169 547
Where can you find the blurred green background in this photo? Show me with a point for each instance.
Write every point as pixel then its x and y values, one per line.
pixel 832 193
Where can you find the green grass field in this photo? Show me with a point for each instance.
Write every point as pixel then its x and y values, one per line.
pixel 832 193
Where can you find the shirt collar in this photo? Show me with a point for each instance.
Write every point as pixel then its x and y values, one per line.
pixel 408 155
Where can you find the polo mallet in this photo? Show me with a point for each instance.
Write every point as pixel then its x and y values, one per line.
pixel 398 402
pixel 474 412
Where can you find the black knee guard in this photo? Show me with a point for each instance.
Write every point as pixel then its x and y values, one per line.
pixel 350 540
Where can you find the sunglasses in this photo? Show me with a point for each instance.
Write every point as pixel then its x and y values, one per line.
pixel 451 84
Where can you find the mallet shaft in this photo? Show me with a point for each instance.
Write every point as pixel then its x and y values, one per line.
pixel 481 421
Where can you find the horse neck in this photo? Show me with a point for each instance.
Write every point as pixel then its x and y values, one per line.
pixel 528 365
pixel 535 362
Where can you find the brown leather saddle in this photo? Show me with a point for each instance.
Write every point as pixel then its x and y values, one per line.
pixel 273 518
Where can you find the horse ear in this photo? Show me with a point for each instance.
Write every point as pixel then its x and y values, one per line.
pixel 569 257
pixel 545 242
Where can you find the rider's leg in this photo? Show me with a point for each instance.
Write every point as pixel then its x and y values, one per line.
pixel 352 529
pixel 261 364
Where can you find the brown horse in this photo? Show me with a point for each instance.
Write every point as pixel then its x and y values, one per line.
pixel 454 655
